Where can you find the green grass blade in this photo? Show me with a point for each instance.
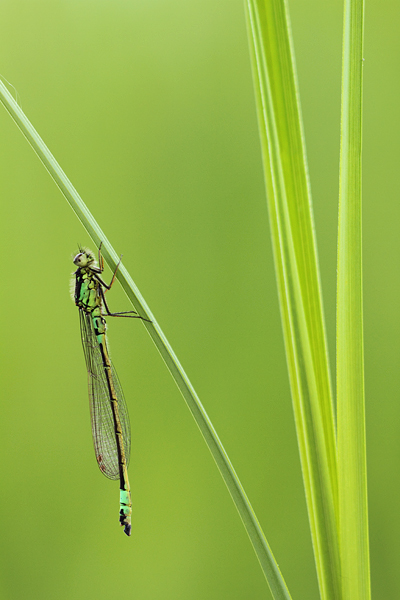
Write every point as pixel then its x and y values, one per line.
pixel 267 561
pixel 354 547
pixel 289 202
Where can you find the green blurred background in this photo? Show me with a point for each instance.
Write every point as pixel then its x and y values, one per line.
pixel 148 106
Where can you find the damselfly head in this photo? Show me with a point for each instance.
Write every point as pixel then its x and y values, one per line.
pixel 84 258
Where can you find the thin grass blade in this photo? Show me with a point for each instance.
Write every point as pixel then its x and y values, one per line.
pixel 289 202
pixel 354 545
pixel 264 554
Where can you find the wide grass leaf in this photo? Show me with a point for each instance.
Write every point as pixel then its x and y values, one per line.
pixel 289 202
pixel 354 546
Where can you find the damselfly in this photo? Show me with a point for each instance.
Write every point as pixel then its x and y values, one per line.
pixel 108 411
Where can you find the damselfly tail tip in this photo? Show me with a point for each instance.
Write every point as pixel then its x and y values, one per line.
pixel 127 528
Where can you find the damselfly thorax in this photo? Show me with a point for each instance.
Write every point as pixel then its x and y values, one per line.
pixel 87 290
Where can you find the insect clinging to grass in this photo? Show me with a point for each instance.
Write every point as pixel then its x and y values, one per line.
pixel 108 410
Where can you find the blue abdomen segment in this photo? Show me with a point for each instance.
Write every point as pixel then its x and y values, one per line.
pixel 125 511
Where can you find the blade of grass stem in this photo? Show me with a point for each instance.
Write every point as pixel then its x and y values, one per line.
pixel 289 202
pixel 264 554
pixel 354 546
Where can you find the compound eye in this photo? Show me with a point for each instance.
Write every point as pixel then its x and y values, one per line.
pixel 78 258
